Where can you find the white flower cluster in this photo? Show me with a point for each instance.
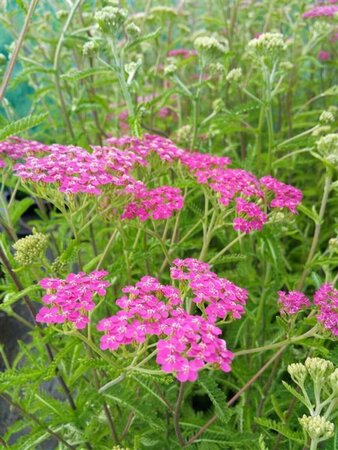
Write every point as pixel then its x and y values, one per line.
pixel 210 46
pixel 110 18
pixel 328 147
pixel 268 44
pixel 234 75
pixel 317 427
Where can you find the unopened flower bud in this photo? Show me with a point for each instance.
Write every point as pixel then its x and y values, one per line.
pixel 170 69
pixel 317 427
pixel 333 380
pixel 328 147
pixel 319 369
pixel 234 75
pixel 110 19
pixel 132 30
pixel 333 244
pixel 90 48
pixel 29 249
pixel 210 47
pixel 268 45
pixel 297 372
pixel 326 117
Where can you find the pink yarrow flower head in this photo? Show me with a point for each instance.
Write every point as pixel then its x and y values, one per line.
pixel 324 56
pixel 321 11
pixel 186 343
pixel 326 300
pixel 292 302
pixel 71 299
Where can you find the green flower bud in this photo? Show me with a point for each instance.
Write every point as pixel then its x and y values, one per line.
pixel 133 31
pixel 328 147
pixel 333 381
pixel 29 249
pixel 110 19
pixel 319 369
pixel 326 117
pixel 297 372
pixel 269 45
pixel 317 427
pixel 333 244
pixel 234 75
pixel 170 69
pixel 90 48
pixel 210 47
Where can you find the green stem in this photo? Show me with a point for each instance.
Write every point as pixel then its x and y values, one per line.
pixel 16 51
pixel 286 342
pixel 315 239
pixel 225 249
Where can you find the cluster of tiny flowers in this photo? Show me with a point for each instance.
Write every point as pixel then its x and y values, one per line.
pixel 317 427
pixel 30 248
pixel 71 299
pixel 158 203
pixel 17 148
pixel 185 53
pixel 186 343
pixel 292 302
pixel 326 299
pixel 222 297
pixel 74 170
pixel 254 218
pixel 213 171
pixel 321 11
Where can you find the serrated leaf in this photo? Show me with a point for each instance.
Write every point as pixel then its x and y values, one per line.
pixel 144 38
pixel 216 396
pixel 294 392
pixel 76 75
pixel 281 428
pixel 21 125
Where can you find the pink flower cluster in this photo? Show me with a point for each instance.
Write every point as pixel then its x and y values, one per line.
pixel 254 218
pixel 16 148
pixel 184 52
pixel 71 299
pixel 321 11
pixel 158 203
pixel 74 170
pixel 292 302
pixel 226 183
pixel 222 297
pixel 326 299
pixel 186 342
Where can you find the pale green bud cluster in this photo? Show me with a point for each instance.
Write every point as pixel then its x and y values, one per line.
pixel 326 117
pixel 286 65
pixel 268 44
pixel 297 372
pixel 164 12
pixel 184 134
pixel 132 30
pixel 210 46
pixel 117 447
pixel 110 19
pixel 90 48
pixel 216 69
pixel 319 369
pixel 234 75
pixel 317 427
pixel 333 244
pixel 218 105
pixel 29 249
pixel 328 147
pixel 170 69
pixel 333 381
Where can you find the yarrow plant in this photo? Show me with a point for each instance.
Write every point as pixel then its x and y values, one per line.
pixel 168 232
